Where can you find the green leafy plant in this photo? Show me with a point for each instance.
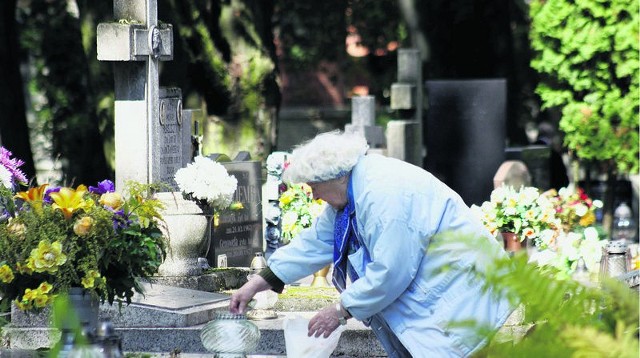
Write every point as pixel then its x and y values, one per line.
pixel 588 54
pixel 562 317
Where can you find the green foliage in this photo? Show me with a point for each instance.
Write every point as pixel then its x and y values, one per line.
pixel 588 54
pixel 566 318
pixel 229 47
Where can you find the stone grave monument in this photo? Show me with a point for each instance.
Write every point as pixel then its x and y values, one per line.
pixel 404 134
pixel 466 121
pixel 363 121
pixel 512 173
pixel 238 235
pixel 135 48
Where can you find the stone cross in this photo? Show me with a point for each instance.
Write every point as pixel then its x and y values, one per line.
pixel 152 135
pixel 404 135
pixel 363 121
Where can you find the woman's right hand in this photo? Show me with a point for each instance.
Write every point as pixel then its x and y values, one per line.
pixel 241 298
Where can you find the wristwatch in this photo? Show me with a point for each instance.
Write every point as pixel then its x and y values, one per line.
pixel 341 318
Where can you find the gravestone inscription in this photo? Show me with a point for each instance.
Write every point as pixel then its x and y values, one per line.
pixel 238 234
pixel 170 139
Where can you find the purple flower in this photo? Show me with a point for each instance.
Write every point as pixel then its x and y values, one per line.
pixel 12 165
pixel 120 220
pixel 105 186
pixel 47 198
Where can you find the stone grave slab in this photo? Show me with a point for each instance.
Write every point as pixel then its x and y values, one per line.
pixel 175 298
pixel 239 234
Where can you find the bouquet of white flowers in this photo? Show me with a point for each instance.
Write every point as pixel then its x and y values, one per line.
pixel 207 182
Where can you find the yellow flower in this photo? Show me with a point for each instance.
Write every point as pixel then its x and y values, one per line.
pixel 47 256
pixel 33 196
pixel 287 197
pixel 236 205
pixel 69 200
pixel 6 274
pixel 530 215
pixel 17 229
pixel 588 219
pixel 41 300
pixel 23 306
pixel 83 225
pixel 112 200
pixel 29 294
pixel 45 287
pixel 89 280
pixel 26 269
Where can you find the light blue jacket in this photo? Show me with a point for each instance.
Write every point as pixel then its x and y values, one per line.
pixel 399 208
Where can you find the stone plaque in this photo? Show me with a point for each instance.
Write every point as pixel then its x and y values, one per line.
pixel 170 139
pixel 238 235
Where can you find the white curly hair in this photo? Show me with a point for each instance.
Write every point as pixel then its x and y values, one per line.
pixel 328 156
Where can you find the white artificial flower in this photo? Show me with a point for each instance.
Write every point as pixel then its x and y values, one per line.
pixel 207 180
pixel 499 194
pixel 591 233
pixel 510 211
pixel 568 246
pixel 6 179
pixel 528 195
pixel 275 163
pixel 581 210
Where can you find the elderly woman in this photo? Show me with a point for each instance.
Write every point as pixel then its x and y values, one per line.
pixel 382 216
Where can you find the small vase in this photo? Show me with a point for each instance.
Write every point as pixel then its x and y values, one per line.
pixel 512 242
pixel 82 313
pixel 320 277
pixel 230 335
pixel 86 308
pixel 186 233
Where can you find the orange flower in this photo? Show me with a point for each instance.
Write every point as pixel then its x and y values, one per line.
pixel 33 196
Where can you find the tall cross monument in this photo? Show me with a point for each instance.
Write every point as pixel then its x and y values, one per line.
pixel 152 139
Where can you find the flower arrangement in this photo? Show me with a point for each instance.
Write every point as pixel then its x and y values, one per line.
pixel 207 182
pixel 573 207
pixel 298 210
pixel 564 249
pixel 577 237
pixel 55 238
pixel 522 211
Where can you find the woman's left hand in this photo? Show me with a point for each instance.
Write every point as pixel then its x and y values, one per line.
pixel 324 322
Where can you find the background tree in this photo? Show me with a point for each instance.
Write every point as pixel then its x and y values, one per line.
pixel 470 39
pixel 588 55
pixel 328 48
pixel 60 86
pixel 14 132
pixel 224 62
